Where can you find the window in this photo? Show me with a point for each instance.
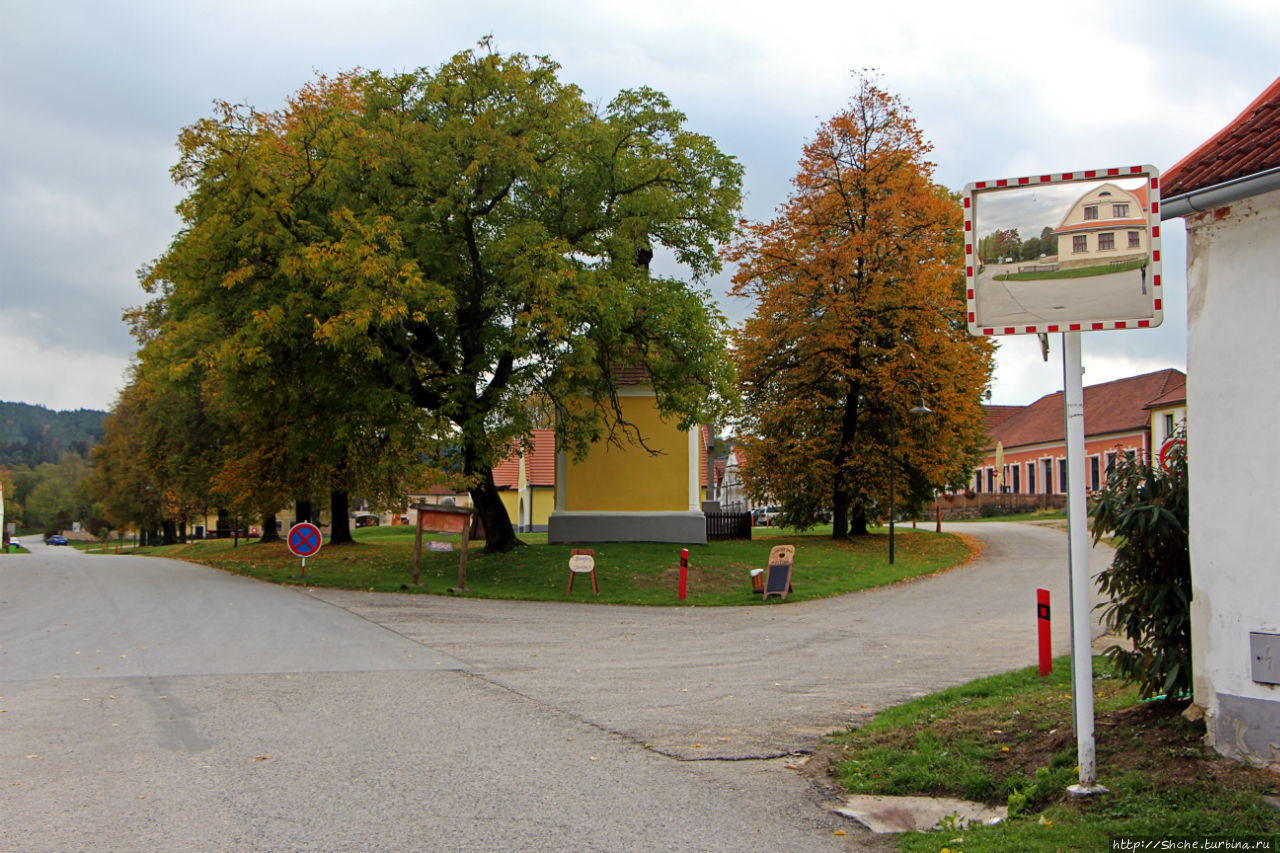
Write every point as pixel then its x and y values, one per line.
pixel 1091 212
pixel 1017 487
pixel 1106 240
pixel 991 479
pixel 1062 476
pixel 1135 240
pixel 1095 477
pixel 1111 463
pixel 1168 426
pixel 1031 478
pixel 1048 476
pixel 1080 243
pixel 1119 211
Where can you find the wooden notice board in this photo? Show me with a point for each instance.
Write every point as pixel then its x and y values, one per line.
pixel 777 580
pixel 443 519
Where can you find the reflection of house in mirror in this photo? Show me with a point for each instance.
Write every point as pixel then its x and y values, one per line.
pixel 1107 225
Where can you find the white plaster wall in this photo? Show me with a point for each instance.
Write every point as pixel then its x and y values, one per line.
pixel 1233 405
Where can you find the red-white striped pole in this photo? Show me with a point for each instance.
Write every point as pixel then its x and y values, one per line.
pixel 1046 638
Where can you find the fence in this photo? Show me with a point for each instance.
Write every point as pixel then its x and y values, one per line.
pixel 728 525
pixel 965 506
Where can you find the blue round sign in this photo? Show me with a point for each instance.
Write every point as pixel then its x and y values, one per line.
pixel 304 539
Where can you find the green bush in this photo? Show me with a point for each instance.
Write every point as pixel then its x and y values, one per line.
pixel 1149 582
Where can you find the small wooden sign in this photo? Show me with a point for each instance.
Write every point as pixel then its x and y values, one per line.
pixel 583 561
pixel 777 580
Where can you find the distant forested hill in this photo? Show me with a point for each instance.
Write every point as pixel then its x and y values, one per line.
pixel 30 434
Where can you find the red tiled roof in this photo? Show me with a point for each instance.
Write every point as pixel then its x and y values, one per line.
pixel 1143 199
pixel 540 463
pixel 506 474
pixel 1248 145
pixel 631 375
pixel 1100 225
pixel 1111 407
pixel 993 416
pixel 1175 393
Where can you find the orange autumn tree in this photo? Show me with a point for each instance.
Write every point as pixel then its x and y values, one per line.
pixel 858 287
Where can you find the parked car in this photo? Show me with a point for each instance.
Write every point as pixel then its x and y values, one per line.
pixel 56 539
pixel 765 516
pixel 366 521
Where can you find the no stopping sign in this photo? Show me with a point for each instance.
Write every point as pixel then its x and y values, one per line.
pixel 304 539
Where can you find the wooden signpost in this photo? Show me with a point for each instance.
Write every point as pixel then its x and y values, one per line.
pixel 443 519
pixel 583 561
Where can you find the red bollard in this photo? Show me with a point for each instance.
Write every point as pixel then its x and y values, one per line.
pixel 684 572
pixel 1046 639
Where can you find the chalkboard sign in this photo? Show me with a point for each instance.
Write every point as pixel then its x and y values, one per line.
pixel 777 580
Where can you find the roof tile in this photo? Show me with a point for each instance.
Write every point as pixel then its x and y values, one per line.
pixel 1248 145
pixel 1110 407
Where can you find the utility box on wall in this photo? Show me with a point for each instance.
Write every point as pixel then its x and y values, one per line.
pixel 1264 652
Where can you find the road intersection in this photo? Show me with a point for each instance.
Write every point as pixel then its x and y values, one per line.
pixel 152 704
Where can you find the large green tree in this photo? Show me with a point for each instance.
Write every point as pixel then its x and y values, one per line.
pixel 858 287
pixel 429 251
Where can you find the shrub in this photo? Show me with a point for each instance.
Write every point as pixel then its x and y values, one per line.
pixel 1149 582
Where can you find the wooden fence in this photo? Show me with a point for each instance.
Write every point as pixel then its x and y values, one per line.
pixel 728 525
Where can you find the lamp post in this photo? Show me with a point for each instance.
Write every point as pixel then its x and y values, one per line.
pixel 918 409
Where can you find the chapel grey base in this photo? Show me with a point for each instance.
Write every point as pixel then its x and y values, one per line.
pixel 683 528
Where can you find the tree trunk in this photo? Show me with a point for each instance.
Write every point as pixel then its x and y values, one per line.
pixel 269 532
pixel 840 513
pixel 302 511
pixel 170 528
pixel 499 535
pixel 340 527
pixel 858 522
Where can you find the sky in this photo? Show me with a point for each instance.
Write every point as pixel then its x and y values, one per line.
pixel 97 93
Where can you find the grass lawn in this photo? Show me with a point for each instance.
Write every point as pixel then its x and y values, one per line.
pixel 1008 739
pixel 1032 515
pixel 628 573
pixel 1073 272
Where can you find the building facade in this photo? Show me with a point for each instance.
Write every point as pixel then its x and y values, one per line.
pixel 1028 453
pixel 1106 225
pixel 1228 192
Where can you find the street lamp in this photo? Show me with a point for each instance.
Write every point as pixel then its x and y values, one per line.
pixel 918 409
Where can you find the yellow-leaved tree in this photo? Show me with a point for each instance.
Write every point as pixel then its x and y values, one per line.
pixel 858 290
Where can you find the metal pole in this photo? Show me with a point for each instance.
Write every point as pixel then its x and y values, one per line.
pixel 893 421
pixel 1078 535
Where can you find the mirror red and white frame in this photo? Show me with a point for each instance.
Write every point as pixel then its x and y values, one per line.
pixel 1064 252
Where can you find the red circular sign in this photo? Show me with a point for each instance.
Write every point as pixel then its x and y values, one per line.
pixel 1168 448
pixel 304 539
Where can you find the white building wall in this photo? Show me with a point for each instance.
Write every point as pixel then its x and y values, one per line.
pixel 1233 359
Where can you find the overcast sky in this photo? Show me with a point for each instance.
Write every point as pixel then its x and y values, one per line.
pixel 96 93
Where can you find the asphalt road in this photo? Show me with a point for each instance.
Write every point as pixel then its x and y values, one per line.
pixel 155 705
pixel 1118 296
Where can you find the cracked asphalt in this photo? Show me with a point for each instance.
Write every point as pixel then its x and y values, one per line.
pixel 150 704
